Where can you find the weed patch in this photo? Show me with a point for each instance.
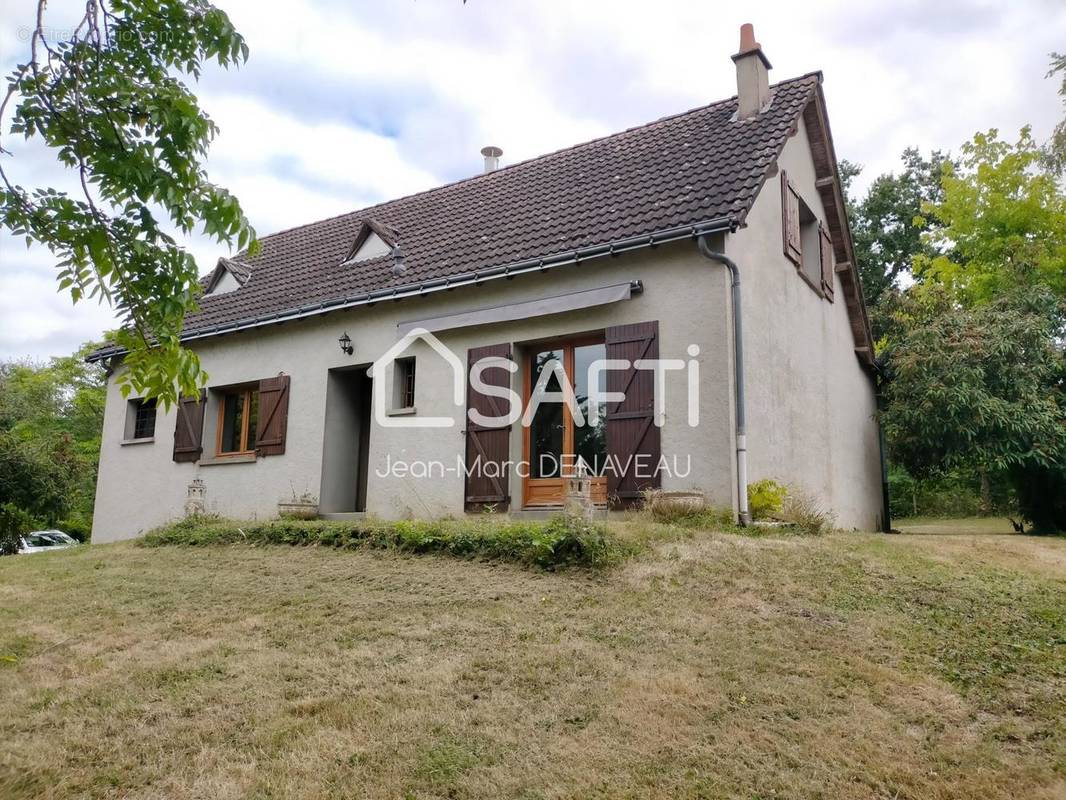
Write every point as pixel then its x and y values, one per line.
pixel 671 510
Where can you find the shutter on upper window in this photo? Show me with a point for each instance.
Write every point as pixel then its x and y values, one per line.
pixel 189 427
pixel 827 261
pixel 273 416
pixel 790 221
pixel 633 440
pixel 487 448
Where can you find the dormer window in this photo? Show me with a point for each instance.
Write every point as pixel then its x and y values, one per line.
pixel 374 240
pixel 228 276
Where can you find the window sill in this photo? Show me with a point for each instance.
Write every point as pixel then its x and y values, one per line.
pixel 807 280
pixel 144 440
pixel 410 411
pixel 242 458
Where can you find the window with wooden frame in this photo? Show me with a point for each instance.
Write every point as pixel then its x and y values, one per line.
pixel 403 383
pixel 804 240
pixel 553 444
pixel 140 420
pixel 238 415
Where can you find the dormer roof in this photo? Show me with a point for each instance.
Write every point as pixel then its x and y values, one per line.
pixel 373 240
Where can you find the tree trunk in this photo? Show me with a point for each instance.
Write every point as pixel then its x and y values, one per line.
pixel 984 508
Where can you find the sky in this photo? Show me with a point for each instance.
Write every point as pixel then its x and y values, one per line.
pixel 345 104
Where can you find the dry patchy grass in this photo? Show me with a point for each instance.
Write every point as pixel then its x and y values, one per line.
pixel 714 665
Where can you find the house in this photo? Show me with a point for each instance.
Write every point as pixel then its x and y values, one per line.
pixel 615 252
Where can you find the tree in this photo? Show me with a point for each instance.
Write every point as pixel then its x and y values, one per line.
pixel 884 229
pixel 1001 223
pixel 983 387
pixel 108 101
pixel 885 233
pixel 50 421
pixel 1055 149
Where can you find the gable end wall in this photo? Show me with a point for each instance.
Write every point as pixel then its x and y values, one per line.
pixel 810 404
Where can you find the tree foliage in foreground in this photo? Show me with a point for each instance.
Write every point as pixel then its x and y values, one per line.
pixel 109 103
pixel 983 387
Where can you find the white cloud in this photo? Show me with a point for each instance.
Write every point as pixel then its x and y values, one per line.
pixel 346 104
pixel 36 320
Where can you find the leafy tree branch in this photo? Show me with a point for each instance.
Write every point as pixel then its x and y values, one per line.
pixel 107 101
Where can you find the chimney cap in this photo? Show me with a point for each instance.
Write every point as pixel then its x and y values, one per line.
pixel 749 46
pixel 491 151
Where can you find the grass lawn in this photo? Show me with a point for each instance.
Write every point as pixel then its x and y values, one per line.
pixel 713 665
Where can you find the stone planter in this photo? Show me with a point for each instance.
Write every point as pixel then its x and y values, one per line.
pixel 692 498
pixel 297 509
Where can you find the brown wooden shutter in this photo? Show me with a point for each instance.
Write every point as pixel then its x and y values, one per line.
pixel 189 427
pixel 827 261
pixel 487 448
pixel 273 416
pixel 631 430
pixel 790 221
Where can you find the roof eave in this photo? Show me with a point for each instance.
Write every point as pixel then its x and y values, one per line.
pixel 539 264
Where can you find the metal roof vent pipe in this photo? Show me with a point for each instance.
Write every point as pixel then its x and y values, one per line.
pixel 399 266
pixel 492 158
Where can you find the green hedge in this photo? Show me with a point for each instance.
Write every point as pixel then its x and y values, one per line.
pixel 558 542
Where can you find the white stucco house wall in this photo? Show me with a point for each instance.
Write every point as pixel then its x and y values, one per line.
pixel 546 266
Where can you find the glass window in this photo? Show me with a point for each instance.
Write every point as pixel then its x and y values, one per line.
pixel 238 413
pixel 144 419
pixel 590 439
pixel 547 427
pixel 404 383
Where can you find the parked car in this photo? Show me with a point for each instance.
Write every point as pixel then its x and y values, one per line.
pixel 42 541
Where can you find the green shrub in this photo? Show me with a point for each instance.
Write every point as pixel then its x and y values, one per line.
pixel 672 510
pixel 766 498
pixel 558 542
pixel 77 526
pixel 14 523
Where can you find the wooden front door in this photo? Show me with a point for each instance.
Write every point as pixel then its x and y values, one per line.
pixel 554 442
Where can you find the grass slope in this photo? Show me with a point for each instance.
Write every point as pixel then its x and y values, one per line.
pixel 713 665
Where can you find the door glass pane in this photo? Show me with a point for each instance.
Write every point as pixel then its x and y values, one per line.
pixel 590 439
pixel 232 422
pixel 546 428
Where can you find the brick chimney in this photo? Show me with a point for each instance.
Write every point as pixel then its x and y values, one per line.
pixel 753 80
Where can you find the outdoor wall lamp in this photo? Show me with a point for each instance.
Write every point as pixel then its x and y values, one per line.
pixel 346 344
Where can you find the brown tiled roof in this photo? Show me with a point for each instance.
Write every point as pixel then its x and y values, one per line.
pixel 683 171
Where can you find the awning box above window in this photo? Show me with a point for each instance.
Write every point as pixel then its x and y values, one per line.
pixel 574 301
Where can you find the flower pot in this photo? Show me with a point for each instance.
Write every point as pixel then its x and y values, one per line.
pixel 297 510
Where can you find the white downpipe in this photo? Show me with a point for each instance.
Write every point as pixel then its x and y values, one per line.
pixel 738 378
pixel 742 477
